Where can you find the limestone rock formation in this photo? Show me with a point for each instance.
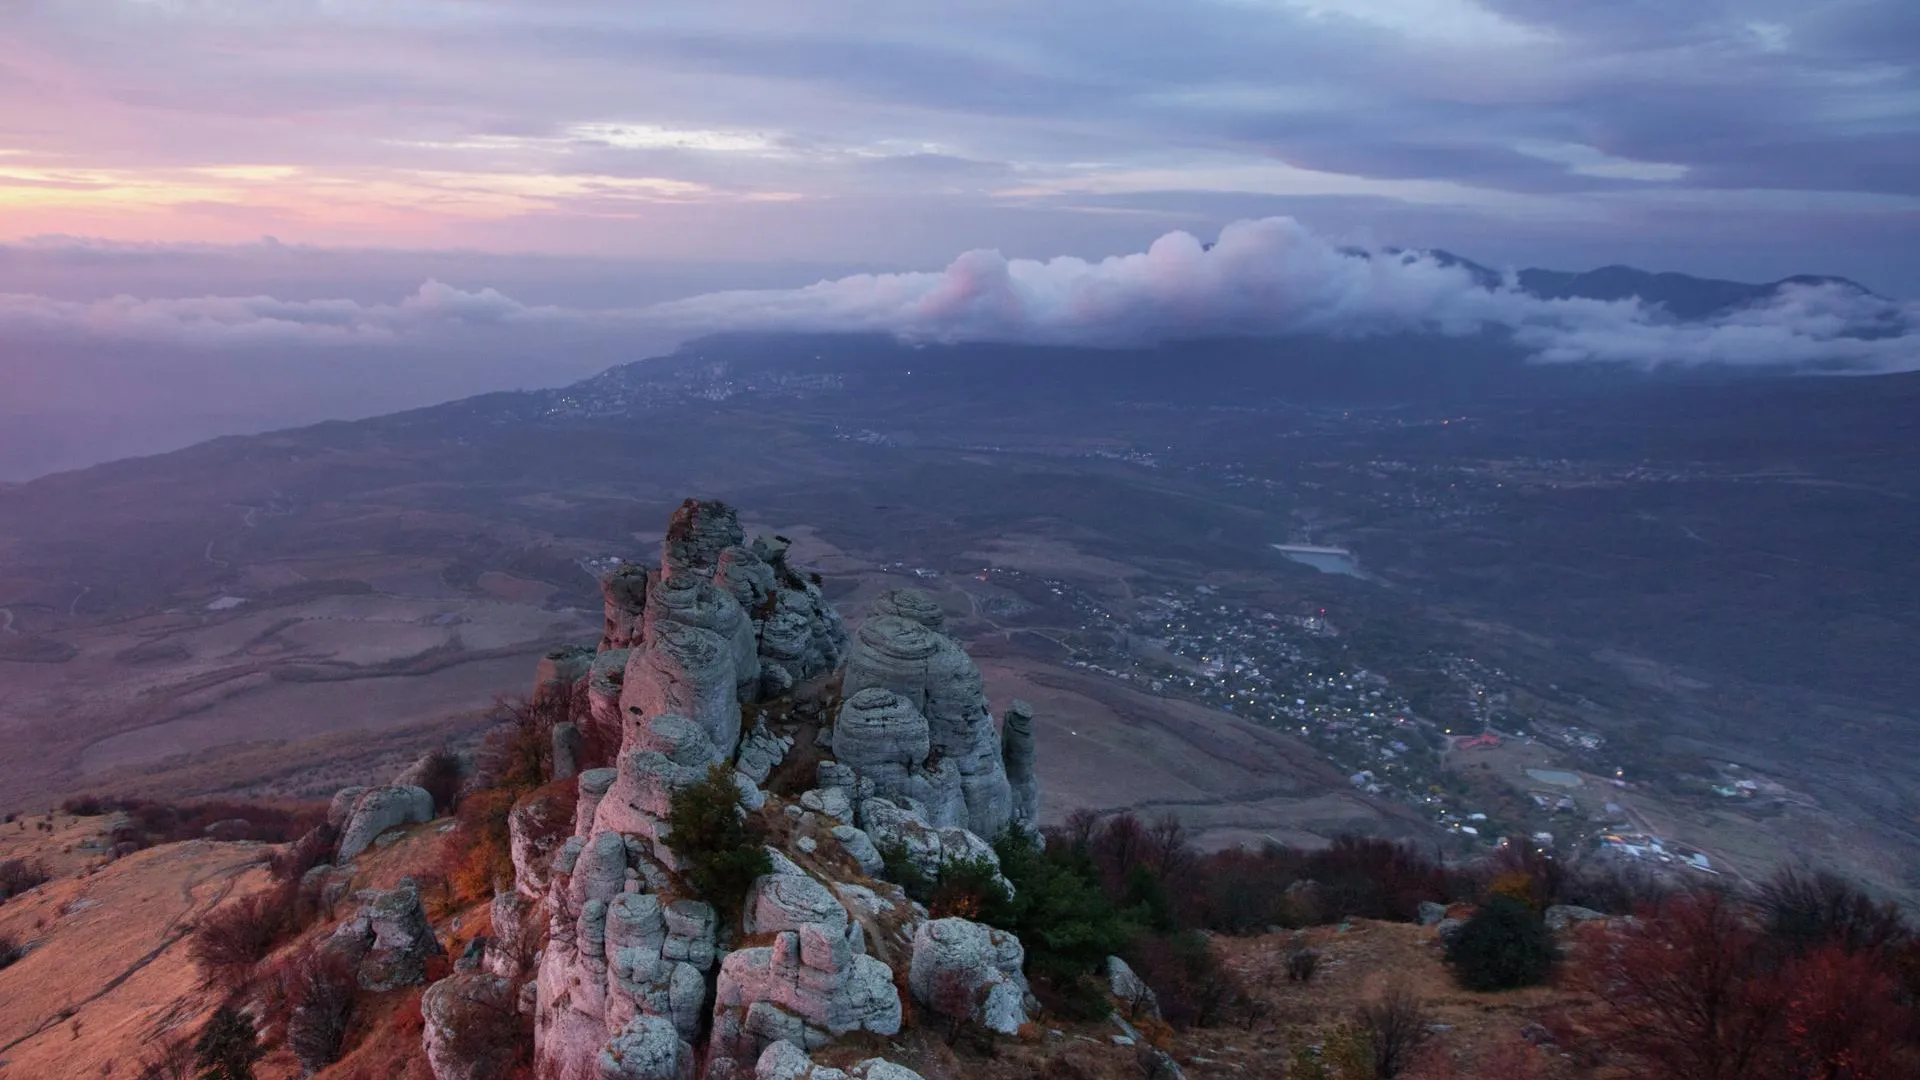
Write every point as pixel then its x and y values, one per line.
pixel 684 597
pixel 646 1048
pixel 936 677
pixel 388 939
pixel 696 535
pixel 567 748
pixel 536 826
pixel 1016 751
pixel 958 964
pixel 785 1061
pixel 909 604
pixel 560 669
pixel 372 811
pixel 686 671
pixel 630 971
pixel 456 1012
pixel 625 592
pixel 1130 990
pixel 806 988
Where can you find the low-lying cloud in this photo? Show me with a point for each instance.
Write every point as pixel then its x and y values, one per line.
pixel 1273 276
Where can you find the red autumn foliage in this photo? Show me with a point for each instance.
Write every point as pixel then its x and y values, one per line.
pixel 1696 991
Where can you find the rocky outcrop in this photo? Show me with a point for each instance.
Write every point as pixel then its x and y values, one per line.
pixel 625 591
pixel 965 970
pixel 806 988
pixel 911 604
pixel 536 827
pixel 785 1061
pixel 663 754
pixel 888 824
pixel 938 679
pixel 562 668
pixel 1131 991
pixel 463 1019
pixel 646 1048
pixel 1017 753
pixel 696 535
pixel 686 671
pixel 601 726
pixel 388 940
pixel 567 748
pixel 632 972
pixel 373 811
pixel 686 598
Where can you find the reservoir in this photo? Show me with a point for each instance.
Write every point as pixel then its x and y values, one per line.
pixel 1327 560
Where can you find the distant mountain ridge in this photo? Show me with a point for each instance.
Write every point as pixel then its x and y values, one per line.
pixel 1684 296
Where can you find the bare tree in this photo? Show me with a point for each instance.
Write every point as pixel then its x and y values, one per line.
pixel 1396 1025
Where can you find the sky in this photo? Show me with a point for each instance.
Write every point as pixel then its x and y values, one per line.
pixel 203 201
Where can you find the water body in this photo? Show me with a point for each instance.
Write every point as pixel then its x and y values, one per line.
pixel 1325 560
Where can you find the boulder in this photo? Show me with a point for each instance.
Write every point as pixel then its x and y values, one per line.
pixel 646 1048
pixel 341 807
pixel 464 1017
pixel 762 751
pixel 785 1061
pixel 1431 913
pixel 375 810
pixel 625 590
pixel 1131 991
pixel 861 847
pixel 1561 917
pixel 388 939
pixel 963 965
pixel 807 988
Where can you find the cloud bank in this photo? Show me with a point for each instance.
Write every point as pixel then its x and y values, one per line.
pixel 1274 276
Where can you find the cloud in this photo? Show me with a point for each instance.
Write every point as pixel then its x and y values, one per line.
pixel 221 320
pixel 1274 277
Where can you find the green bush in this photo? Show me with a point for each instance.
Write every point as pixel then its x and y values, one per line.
pixel 1504 945
pixel 1063 917
pixel 719 855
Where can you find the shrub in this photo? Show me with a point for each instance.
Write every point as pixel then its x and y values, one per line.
pixel 1194 989
pixel 900 868
pixel 1061 914
pixel 173 1059
pixel 321 989
pixel 227 1047
pixel 1395 1026
pixel 231 940
pixel 19 875
pixel 518 752
pixel 1691 992
pixel 1504 945
pixel 1805 910
pixel 966 888
pixel 10 951
pixel 718 854
pixel 442 777
pixel 1302 964
pixel 480 853
pixel 314 848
